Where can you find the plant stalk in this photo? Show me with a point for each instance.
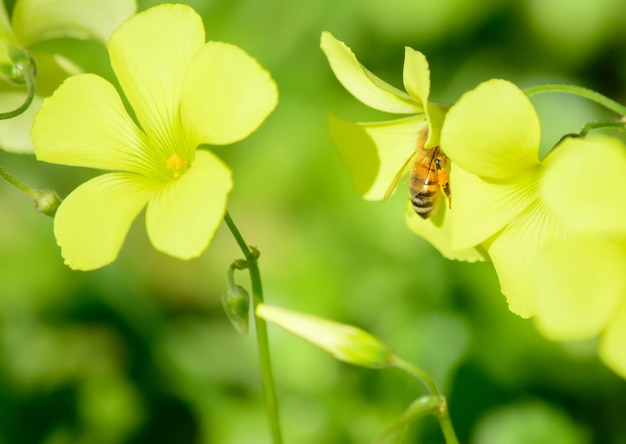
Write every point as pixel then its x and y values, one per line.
pixel 269 390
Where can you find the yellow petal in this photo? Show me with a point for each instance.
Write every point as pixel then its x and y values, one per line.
pixel 492 131
pixel 15 132
pixel 85 124
pixel 183 216
pixel 150 54
pixel 481 208
pixel 514 253
pixel 91 223
pixel 436 230
pixel 580 285
pixel 226 95
pixel 416 75
pixel 364 85
pixel 38 20
pixel 611 349
pixel 585 185
pixel 376 154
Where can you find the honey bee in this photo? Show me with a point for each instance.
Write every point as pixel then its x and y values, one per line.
pixel 428 178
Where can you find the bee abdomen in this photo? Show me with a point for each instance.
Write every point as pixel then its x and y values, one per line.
pixel 423 201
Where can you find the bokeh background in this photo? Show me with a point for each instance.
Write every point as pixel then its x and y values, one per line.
pixel 141 352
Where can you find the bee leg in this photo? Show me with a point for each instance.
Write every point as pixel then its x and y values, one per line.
pixel 443 179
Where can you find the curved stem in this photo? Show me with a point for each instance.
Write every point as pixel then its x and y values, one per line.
pixel 30 95
pixel 579 91
pixel 442 413
pixel 46 201
pixel 269 391
pixel 17 184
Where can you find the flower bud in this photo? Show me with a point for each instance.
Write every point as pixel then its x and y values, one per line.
pixel 46 202
pixel 236 303
pixel 345 342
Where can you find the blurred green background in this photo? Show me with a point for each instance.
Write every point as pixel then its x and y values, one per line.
pixel 141 352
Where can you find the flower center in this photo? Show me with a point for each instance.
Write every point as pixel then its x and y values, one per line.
pixel 177 165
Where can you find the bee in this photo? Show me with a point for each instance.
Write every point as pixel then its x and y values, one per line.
pixel 428 178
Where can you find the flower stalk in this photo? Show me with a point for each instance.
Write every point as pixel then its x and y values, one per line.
pixel 46 201
pixel 579 91
pixel 271 403
pixel 441 411
pixel 23 72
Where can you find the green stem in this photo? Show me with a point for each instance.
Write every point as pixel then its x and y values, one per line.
pixel 579 91
pixel 30 192
pixel 46 201
pixel 442 413
pixel 30 95
pixel 269 390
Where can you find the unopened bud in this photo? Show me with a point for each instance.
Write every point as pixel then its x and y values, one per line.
pixel 236 303
pixel 346 342
pixel 46 202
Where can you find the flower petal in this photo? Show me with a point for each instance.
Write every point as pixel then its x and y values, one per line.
pixel 150 54
pixel 91 223
pixel 182 218
pixel 38 20
pixel 611 349
pixel 492 131
pixel 416 75
pixel 481 208
pixel 6 31
pixel 14 133
pixel 585 185
pixel 436 230
pixel 364 85
pixel 514 254
pixel 580 285
pixel 376 154
pixel 226 95
pixel 85 124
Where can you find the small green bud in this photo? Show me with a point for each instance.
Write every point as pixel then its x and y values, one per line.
pixel 240 264
pixel 46 202
pixel 236 303
pixel 16 64
pixel 346 342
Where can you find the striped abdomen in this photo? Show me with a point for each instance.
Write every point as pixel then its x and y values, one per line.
pixel 428 177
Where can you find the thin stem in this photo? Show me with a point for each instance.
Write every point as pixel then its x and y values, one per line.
pixel 30 192
pixel 30 95
pixel 269 390
pixel 46 201
pixel 579 91
pixel 442 413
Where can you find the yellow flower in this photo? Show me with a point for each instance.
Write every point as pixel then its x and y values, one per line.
pixel 378 155
pixel 183 93
pixel 36 22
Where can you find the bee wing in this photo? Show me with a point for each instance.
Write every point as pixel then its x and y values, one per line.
pixel 394 183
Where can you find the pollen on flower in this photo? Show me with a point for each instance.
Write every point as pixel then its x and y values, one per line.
pixel 176 163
